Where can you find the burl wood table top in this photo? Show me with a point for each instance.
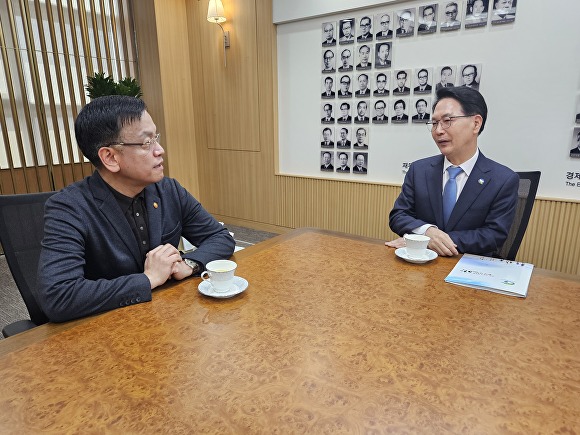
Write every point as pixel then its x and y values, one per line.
pixel 334 334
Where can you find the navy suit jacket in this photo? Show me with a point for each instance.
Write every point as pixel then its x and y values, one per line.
pixel 482 216
pixel 90 260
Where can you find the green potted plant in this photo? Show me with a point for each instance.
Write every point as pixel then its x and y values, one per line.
pixel 100 84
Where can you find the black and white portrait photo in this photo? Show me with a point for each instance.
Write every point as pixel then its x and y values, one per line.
pixel 328 61
pixel 470 76
pixel 327 116
pixel 504 11
pixel 344 142
pixel 427 19
pixel 344 116
pixel 342 161
pixel 406 22
pixel 383 26
pixel 381 84
pixel 365 29
pixel 360 163
pixel 383 55
pixel 345 60
pixel 328 35
pixel 364 57
pixel 422 110
pixel 400 112
pixel 445 77
pixel 575 151
pixel 346 31
pixel 362 139
pixel 363 83
pixel 344 86
pixel 362 110
pixel 578 109
pixel 328 87
pixel 476 13
pixel 402 81
pixel 423 76
pixel 326 141
pixel 380 115
pixel 450 13
pixel 326 160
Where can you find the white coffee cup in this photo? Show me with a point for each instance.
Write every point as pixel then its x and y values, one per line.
pixel 220 274
pixel 416 245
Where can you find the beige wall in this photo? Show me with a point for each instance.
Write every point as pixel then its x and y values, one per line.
pixel 220 129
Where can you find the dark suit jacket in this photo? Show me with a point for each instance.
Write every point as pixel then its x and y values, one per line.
pixel 347 95
pixel 380 94
pixel 346 169
pixel 326 43
pixel 332 94
pixel 385 119
pixel 339 145
pixel 368 37
pixel 409 33
pixel 423 28
pixel 427 88
pixel 365 120
pixel 426 116
pixel 380 35
pixel 403 118
pixel 367 93
pixel 439 86
pixel 326 168
pixel 342 121
pixel 361 170
pixel 90 261
pixel 484 211
pixel 405 90
pixel 574 151
pixel 330 144
pixel 324 121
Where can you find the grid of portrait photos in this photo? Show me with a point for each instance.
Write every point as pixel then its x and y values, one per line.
pixel 361 85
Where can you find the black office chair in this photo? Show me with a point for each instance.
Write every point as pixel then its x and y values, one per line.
pixel 529 182
pixel 21 232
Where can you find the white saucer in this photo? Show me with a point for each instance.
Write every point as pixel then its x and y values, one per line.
pixel 402 253
pixel 238 286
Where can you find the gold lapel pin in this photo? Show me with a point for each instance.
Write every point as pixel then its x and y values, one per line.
pixel 155 205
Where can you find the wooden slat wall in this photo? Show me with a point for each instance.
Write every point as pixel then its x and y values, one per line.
pixel 241 186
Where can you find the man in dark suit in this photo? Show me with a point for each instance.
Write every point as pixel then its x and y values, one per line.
pixel 365 30
pixel 385 32
pixel 364 52
pixel 328 32
pixel 361 109
pixel 429 25
pixel 328 62
pixel 343 158
pixel 382 55
pixel 361 135
pixel 363 86
pixel 486 192
pixel 359 166
pixel 328 119
pixel 112 238
pixel 400 116
pixel 344 117
pixel 575 152
pixel 327 138
pixel 344 91
pixel 328 92
pixel 469 74
pixel 401 89
pixel 423 87
pixel 343 142
pixel 326 165
pixel 381 90
pixel 380 117
pixel 406 24
pixel 422 115
pixel 446 78
pixel 345 57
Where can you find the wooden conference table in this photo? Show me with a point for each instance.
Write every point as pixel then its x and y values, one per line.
pixel 334 334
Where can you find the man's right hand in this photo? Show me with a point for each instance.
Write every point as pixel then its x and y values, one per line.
pixel 159 264
pixel 441 242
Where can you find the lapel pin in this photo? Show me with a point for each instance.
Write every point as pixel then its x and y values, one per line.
pixel 155 205
pixel 480 181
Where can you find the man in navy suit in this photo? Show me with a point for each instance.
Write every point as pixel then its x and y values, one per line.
pixel 112 238
pixel 486 192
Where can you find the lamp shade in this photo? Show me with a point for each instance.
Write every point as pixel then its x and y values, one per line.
pixel 215 11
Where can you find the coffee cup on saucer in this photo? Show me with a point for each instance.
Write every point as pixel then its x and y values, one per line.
pixel 220 274
pixel 416 245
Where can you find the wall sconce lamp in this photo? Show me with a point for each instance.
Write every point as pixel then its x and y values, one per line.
pixel 215 14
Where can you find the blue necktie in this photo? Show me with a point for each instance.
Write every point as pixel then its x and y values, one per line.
pixel 450 192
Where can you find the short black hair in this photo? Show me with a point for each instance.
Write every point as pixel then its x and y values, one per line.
pixel 402 102
pixel 470 100
pixel 99 123
pixel 419 100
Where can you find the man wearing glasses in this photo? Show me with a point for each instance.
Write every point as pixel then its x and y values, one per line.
pixel 406 24
pixel 428 24
pixel 344 91
pixel 385 32
pixel 381 90
pixel 365 30
pixel 347 36
pixel 112 238
pixel 469 74
pixel 462 200
pixel 382 55
pixel 422 78
pixel 450 21
pixel 345 58
pixel 328 35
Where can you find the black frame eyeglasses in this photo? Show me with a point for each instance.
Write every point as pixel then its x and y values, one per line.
pixel 445 123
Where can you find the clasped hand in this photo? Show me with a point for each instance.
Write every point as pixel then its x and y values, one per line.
pixel 440 242
pixel 164 262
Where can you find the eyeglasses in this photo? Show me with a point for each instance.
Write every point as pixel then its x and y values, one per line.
pixel 385 23
pixel 454 12
pixel 445 123
pixel 145 146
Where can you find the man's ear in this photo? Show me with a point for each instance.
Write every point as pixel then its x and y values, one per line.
pixel 478 122
pixel 109 158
